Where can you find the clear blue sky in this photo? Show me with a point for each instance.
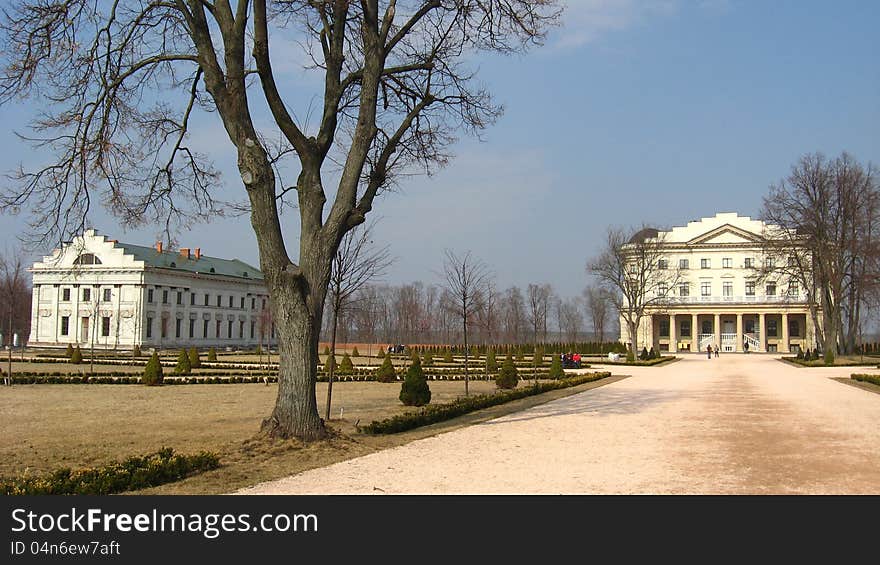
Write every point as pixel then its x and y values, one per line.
pixel 657 112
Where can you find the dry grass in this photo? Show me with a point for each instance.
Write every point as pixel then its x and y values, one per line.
pixel 48 426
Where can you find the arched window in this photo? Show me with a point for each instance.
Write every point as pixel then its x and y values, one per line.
pixel 87 259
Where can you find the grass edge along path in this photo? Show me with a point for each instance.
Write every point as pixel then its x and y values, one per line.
pixel 432 414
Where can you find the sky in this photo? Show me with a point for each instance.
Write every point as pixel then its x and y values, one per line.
pixel 654 112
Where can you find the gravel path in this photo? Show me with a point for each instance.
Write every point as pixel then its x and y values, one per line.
pixel 733 425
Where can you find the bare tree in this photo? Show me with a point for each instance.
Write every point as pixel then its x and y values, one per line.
pixel 597 300
pixel 538 304
pixel 823 238
pixel 570 319
pixel 396 91
pixel 514 314
pixel 356 264
pixel 14 296
pixel 466 280
pixel 635 274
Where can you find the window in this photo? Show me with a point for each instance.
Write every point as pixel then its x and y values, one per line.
pixel 65 325
pixel 87 259
pixel 252 329
pixel 264 304
pixel 707 327
pixel 749 263
pixel 749 326
pixel 65 295
pixel 149 327
pixel 664 328
pixel 705 264
pixel 192 299
pixel 685 328
pixel 179 297
pixel 727 288
pixel 253 303
pixel 107 295
pixel 793 289
pixel 705 289
pixel 663 264
pixel 230 302
pixel 163 326
pixel 105 326
pixel 87 295
pixel 633 269
pixel 771 328
pixel 726 263
pixel 794 328
pixel 219 301
pixel 770 290
pixel 192 329
pixel 242 302
pixel 770 262
pixel 177 327
pixel 229 329
pixel 164 297
pixel 683 264
pixel 207 297
pixel 84 325
pixel 240 330
pixel 684 289
pixel 750 288
pixel 150 295
pixel 205 329
pixel 662 289
pixel 792 260
pixel 217 330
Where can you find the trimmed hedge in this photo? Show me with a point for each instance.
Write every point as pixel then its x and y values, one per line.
pixel 873 379
pixel 134 473
pixel 434 413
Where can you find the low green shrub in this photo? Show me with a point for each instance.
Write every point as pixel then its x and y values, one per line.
pixel 873 379
pixel 434 413
pixel 386 373
pixel 183 365
pixel 153 371
pixel 69 351
pixel 414 390
pixel 508 376
pixel 355 352
pixel 556 371
pixel 76 357
pixel 346 366
pixel 491 363
pixel 195 360
pixel 134 473
pixel 212 355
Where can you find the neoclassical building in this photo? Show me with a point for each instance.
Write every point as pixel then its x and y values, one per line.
pixel 95 290
pixel 720 296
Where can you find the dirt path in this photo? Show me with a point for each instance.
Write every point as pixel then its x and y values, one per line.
pixel 736 424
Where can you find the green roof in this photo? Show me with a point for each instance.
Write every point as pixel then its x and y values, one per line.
pixel 204 265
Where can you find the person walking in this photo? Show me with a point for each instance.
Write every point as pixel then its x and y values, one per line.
pixel 746 345
pixel 716 350
pixel 709 351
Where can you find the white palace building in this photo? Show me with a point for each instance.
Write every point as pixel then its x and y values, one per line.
pixel 718 299
pixel 97 291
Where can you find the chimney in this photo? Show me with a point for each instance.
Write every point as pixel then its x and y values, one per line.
pixel 184 252
pixel 159 246
pixel 198 253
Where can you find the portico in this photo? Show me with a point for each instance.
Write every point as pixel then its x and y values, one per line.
pixel 764 331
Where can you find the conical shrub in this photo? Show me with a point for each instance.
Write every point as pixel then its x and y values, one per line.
pixel 355 352
pixel 556 371
pixel 153 372
pixel 491 363
pixel 414 390
pixel 76 357
pixel 386 373
pixel 330 362
pixel 183 366
pixel 69 351
pixel 212 354
pixel 195 360
pixel 508 376
pixel 346 366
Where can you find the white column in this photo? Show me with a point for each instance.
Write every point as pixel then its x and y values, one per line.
pixel 785 333
pixel 35 316
pixel 717 331
pixel 673 337
pixel 762 332
pixel 695 334
pixel 738 347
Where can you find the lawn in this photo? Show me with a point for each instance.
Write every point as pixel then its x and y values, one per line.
pixel 49 426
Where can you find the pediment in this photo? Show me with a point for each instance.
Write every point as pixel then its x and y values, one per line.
pixel 725 234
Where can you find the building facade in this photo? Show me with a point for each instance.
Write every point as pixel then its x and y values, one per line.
pixel 722 294
pixel 97 291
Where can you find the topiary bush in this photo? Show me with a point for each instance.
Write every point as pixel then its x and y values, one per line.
pixel 386 373
pixel 76 357
pixel 556 371
pixel 447 356
pixel 355 352
pixel 212 354
pixel 69 351
pixel 346 366
pixel 136 351
pixel 653 353
pixel 414 390
pixel 539 357
pixel 330 362
pixel 508 376
pixel 195 360
pixel 183 365
pixel 491 363
pixel 428 360
pixel 153 372
pixel 326 350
